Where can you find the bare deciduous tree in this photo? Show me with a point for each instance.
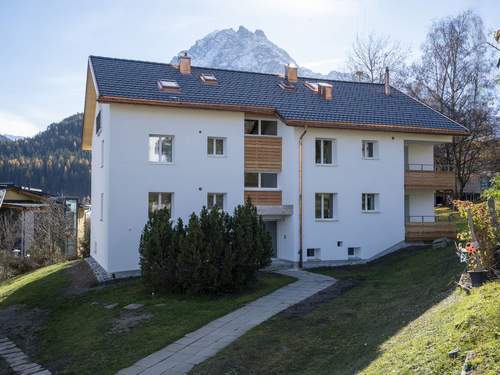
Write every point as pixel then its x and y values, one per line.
pixel 453 77
pixel 52 231
pixel 372 54
pixel 10 227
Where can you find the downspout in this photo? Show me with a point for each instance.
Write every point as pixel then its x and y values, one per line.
pixel 301 240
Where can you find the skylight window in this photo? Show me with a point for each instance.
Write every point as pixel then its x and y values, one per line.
pixel 208 78
pixel 287 86
pixel 313 86
pixel 168 86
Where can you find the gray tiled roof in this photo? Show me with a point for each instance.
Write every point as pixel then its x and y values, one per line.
pixel 353 102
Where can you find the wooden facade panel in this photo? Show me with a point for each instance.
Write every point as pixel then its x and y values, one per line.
pixel 264 198
pixel 430 180
pixel 430 231
pixel 263 153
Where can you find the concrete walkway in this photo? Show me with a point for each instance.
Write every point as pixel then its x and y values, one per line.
pixel 182 355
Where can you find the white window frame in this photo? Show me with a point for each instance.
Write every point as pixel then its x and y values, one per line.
pixel 334 207
pixel 364 202
pixel 334 152
pixel 317 253
pixel 364 149
pixel 259 127
pixel 173 149
pixel 357 252
pixel 159 201
pixel 214 198
pixel 259 179
pixel 214 142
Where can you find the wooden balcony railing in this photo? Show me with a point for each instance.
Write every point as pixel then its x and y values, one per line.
pixel 429 228
pixel 264 198
pixel 263 153
pixel 429 176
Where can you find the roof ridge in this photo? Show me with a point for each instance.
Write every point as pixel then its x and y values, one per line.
pixel 235 70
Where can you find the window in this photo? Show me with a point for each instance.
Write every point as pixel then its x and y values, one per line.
pixel 324 205
pixel 102 153
pixel 161 148
pixel 369 202
pixel 168 86
pixel 209 78
pixel 159 201
pixel 101 212
pixel 312 252
pixel 369 149
pixel 98 123
pixel 215 200
pixel 215 146
pixel 353 252
pixel 261 127
pixel 339 243
pixel 261 180
pixel 324 151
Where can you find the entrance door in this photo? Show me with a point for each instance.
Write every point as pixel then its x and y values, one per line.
pixel 271 228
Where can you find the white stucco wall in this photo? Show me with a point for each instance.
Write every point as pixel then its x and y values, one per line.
pixel 99 235
pixel 191 176
pixel 127 177
pixel 420 156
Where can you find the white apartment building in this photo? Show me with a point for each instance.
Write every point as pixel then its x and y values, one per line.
pixel 340 171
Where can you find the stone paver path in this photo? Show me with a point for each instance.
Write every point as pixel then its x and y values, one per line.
pixel 182 355
pixel 18 361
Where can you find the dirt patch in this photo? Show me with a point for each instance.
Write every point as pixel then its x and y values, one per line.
pixel 127 320
pixel 22 325
pixel 326 295
pixel 81 279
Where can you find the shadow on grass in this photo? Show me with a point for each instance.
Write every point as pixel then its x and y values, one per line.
pixel 345 335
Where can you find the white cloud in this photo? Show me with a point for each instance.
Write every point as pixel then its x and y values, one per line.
pixel 13 124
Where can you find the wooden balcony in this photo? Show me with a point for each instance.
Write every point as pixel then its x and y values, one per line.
pixel 264 198
pixel 428 176
pixel 429 228
pixel 263 153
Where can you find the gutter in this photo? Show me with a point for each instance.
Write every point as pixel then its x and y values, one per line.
pixel 301 236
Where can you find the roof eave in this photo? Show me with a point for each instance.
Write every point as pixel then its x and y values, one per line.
pixel 89 113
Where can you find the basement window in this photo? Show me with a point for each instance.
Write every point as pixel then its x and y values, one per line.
pixel 354 252
pixel 209 78
pixel 313 252
pixel 168 86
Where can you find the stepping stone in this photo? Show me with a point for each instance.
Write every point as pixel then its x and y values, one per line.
pixel 160 304
pixel 111 306
pixel 134 306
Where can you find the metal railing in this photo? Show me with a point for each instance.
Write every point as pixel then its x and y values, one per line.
pixel 429 168
pixel 430 219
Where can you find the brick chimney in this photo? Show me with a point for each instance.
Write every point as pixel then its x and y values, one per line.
pixel 387 87
pixel 291 72
pixel 325 90
pixel 185 63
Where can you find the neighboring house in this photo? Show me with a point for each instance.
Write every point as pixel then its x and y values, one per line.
pixel 335 168
pixel 28 204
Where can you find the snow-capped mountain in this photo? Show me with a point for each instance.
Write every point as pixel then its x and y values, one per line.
pixel 9 137
pixel 244 50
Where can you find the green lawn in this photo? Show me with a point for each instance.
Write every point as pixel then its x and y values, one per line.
pixel 403 318
pixel 76 338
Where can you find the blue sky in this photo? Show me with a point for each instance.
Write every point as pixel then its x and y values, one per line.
pixel 45 44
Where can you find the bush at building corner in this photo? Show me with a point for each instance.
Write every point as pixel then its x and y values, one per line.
pixel 214 253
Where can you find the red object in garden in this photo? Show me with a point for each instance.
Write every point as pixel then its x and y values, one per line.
pixel 470 248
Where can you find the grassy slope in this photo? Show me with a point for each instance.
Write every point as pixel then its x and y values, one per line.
pixel 400 320
pixel 76 339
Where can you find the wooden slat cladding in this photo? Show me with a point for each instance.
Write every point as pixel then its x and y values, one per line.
pixel 264 198
pixel 430 180
pixel 262 153
pixel 430 231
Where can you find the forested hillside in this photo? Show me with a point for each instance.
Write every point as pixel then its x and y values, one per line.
pixel 52 160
